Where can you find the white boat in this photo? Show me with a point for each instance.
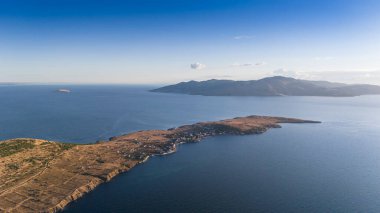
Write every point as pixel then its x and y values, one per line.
pixel 64 90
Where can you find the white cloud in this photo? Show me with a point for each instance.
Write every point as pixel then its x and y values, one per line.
pixel 248 64
pixel 286 73
pixel 240 37
pixel 353 77
pixel 262 63
pixel 356 77
pixel 197 66
pixel 241 65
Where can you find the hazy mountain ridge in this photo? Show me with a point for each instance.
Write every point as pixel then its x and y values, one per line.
pixel 271 86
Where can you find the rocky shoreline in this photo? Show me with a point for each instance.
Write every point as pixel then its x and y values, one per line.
pixel 45 176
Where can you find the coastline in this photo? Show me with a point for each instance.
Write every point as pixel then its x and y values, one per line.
pixel 81 168
pixel 83 190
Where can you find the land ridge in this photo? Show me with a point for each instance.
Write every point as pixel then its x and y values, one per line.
pixel 44 176
pixel 271 86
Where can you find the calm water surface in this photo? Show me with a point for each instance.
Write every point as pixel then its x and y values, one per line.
pixel 328 167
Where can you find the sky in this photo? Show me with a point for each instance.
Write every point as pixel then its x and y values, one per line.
pixel 166 41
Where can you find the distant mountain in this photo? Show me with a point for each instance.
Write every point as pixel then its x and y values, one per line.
pixel 272 86
pixel 7 84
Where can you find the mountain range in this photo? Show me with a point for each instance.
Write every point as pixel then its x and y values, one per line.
pixel 271 86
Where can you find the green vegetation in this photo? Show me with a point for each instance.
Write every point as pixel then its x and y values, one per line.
pixel 99 160
pixel 9 148
pixel 45 143
pixel 66 146
pixel 45 161
pixel 31 160
pixel 13 166
pixel 34 160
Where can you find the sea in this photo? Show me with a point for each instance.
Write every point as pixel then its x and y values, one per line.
pixel 329 167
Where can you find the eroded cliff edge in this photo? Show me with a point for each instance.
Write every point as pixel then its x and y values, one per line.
pixel 44 176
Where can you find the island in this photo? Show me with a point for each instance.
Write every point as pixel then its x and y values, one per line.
pixel 44 176
pixel 271 86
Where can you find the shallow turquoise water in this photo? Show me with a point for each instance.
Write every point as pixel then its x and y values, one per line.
pixel 328 167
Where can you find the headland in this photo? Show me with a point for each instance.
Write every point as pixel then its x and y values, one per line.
pixel 44 176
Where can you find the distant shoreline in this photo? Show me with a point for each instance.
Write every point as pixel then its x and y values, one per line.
pixel 276 86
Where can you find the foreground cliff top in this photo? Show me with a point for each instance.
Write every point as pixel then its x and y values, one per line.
pixel 40 175
pixel 272 86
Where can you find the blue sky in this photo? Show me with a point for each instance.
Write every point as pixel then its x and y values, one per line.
pixel 157 41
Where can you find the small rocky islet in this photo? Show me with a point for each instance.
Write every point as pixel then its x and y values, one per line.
pixel 44 176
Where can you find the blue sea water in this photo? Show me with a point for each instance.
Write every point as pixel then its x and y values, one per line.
pixel 329 167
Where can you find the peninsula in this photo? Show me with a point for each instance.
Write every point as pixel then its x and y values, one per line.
pixel 272 86
pixel 44 176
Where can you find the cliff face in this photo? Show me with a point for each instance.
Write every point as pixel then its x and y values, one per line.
pixel 76 194
pixel 44 176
